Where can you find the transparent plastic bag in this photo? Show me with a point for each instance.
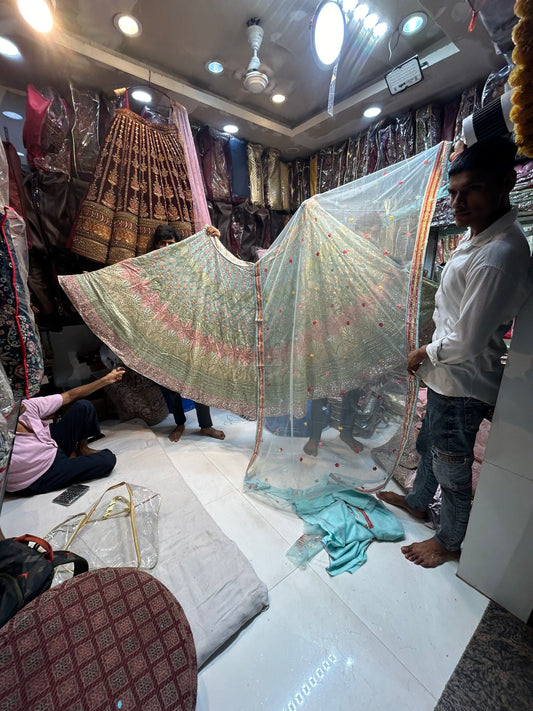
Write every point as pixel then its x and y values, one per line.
pixel 120 530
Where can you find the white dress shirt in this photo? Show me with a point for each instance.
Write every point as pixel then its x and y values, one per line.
pixel 482 288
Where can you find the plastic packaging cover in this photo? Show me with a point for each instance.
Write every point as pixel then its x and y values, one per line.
pixel 255 169
pixel 4 178
pixel 120 530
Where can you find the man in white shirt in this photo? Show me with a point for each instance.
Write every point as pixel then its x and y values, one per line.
pixel 481 290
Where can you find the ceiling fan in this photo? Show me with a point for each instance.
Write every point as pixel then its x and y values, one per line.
pixel 255 80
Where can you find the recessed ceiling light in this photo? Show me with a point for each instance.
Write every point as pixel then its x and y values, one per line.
pixel 13 115
pixel 413 23
pixel 214 67
pixel 38 13
pixel 231 128
pixel 360 12
pixel 328 32
pixel 278 98
pixel 380 30
pixel 372 112
pixel 20 154
pixel 370 21
pixel 127 24
pixel 8 49
pixel 140 95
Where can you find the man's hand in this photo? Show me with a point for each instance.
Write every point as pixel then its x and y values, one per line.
pixel 212 231
pixel 114 376
pixel 85 390
pixel 415 359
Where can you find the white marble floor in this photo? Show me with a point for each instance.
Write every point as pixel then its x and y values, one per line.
pixel 386 637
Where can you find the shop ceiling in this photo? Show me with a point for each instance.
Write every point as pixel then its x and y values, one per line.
pixel 179 38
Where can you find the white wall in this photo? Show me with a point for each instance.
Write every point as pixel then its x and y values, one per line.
pixel 497 555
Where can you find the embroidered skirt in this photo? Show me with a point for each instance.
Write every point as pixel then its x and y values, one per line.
pixel 140 181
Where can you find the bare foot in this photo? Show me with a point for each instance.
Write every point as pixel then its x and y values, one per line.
pixel 389 497
pixel 429 554
pixel 83 450
pixel 176 433
pixel 352 443
pixel 212 432
pixel 311 448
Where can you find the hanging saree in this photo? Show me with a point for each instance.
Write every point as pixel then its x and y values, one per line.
pixel 311 339
pixel 140 181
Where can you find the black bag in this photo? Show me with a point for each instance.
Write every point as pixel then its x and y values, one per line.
pixel 26 572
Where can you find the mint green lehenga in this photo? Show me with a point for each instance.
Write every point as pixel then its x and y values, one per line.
pixel 328 313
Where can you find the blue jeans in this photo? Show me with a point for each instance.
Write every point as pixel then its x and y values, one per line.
pixel 175 406
pixel 446 447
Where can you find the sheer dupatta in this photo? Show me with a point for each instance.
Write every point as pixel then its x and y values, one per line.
pixel 312 339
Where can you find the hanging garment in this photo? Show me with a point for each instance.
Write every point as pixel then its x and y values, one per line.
pixel 255 170
pixel 216 164
pixel 181 120
pixel 20 347
pixel 240 178
pixel 140 181
pixel 326 310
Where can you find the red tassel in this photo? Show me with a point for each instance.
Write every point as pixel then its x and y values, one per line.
pixel 473 20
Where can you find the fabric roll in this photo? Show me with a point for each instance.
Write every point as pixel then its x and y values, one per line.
pixel 285 187
pixel 362 154
pixel 140 181
pixel 313 175
pixel 428 127
pixel 272 179
pixel 17 197
pixel 85 138
pixel 449 119
pixel 469 102
pixel 340 152
pixel 20 347
pixel 4 178
pixel 386 147
pixel 46 131
pixel 201 213
pixel 216 164
pixel 255 170
pixel 352 154
pixel 405 136
pixel 326 179
pixel 240 179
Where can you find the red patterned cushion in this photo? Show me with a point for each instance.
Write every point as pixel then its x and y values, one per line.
pixel 114 638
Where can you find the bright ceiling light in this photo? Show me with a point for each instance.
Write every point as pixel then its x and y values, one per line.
pixel 278 98
pixel 20 154
pixel 380 30
pixel 413 23
pixel 214 67
pixel 360 12
pixel 372 112
pixel 349 5
pixel 38 13
pixel 370 21
pixel 127 24
pixel 328 32
pixel 8 49
pixel 231 128
pixel 13 115
pixel 142 96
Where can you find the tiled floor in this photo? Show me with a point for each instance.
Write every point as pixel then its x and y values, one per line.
pixel 386 637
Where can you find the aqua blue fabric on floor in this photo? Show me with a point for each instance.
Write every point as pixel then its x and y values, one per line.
pixel 349 521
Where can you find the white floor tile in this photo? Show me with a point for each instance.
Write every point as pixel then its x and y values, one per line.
pixel 263 546
pixel 425 617
pixel 308 651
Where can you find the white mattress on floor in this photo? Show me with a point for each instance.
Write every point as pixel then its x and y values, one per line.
pixel 210 577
